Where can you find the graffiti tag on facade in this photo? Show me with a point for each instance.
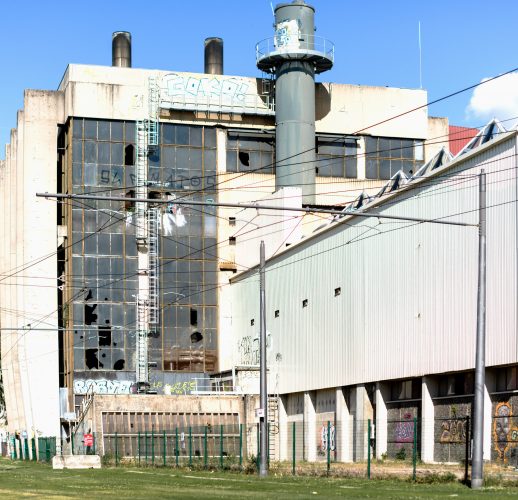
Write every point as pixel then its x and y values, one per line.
pixel 505 435
pixel 327 435
pixel 404 432
pixel 103 386
pixel 453 431
pixel 215 90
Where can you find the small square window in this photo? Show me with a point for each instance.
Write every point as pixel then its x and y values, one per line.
pixel 252 322
pixel 338 291
pixel 231 221
pixel 305 303
pixel 277 313
pixel 232 241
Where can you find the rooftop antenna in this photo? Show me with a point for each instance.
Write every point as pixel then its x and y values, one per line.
pixel 420 58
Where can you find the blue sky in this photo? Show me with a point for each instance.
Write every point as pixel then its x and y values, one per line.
pixel 376 44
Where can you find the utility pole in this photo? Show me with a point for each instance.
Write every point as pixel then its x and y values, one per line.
pixel 263 390
pixel 477 467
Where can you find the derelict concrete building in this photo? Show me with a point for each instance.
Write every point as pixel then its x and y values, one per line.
pixel 118 297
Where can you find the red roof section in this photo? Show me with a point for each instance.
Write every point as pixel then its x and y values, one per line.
pixel 458 137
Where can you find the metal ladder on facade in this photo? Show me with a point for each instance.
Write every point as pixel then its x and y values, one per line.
pixel 273 424
pixel 141 179
pixel 153 215
pixel 153 110
pixel 142 334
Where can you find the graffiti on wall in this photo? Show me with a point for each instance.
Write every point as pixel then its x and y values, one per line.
pixel 248 349
pixel 505 434
pixel 187 88
pixel 404 430
pixel 103 386
pixel 453 431
pixel 327 437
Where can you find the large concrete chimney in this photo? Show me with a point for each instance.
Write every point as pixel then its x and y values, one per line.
pixel 214 56
pixel 121 49
pixel 294 54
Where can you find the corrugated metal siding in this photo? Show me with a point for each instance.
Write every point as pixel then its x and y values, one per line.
pixel 408 291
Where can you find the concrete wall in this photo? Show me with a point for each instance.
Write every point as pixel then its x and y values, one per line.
pixel 30 222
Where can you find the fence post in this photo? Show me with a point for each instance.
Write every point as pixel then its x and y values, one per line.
pixel 72 439
pixel 95 441
pixel 176 449
pixel 240 446
pixel 328 446
pixel 145 445
pixel 116 450
pixel 152 446
pixel 258 458
pixel 47 449
pixel 138 439
pixel 33 445
pixel 414 451
pixel 190 446
pixel 26 447
pixel 205 453
pixel 293 448
pixel 268 443
pixel 164 442
pixel 466 460
pixel 369 448
pixel 221 446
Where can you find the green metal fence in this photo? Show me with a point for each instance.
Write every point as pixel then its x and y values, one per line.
pixel 46 448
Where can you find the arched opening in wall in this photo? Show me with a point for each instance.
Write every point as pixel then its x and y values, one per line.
pixel 129 155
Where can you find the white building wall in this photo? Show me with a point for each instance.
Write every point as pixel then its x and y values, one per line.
pixel 408 291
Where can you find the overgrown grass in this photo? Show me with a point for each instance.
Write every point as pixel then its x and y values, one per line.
pixel 24 479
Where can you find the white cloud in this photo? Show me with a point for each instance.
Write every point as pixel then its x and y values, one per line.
pixel 495 99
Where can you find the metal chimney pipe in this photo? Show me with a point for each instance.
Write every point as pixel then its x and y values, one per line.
pixel 121 49
pixel 294 58
pixel 214 56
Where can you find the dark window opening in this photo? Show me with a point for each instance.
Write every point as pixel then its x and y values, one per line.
pixel 90 316
pixel 232 241
pixel 252 322
pixel 338 291
pixel 305 303
pixel 277 313
pixel 196 337
pixel 194 317
pixel 129 206
pixel 119 364
pixel 91 360
pixel 231 221
pixel 244 158
pixel 129 155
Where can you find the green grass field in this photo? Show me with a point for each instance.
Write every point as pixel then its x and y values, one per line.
pixel 29 479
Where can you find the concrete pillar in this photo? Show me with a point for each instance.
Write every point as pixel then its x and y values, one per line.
pixel 310 427
pixel 489 387
pixel 344 429
pixel 362 412
pixel 428 390
pixel 283 428
pixel 382 396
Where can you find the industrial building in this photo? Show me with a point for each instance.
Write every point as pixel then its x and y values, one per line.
pixel 157 301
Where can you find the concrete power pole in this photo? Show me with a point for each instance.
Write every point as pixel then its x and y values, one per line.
pixel 477 468
pixel 263 424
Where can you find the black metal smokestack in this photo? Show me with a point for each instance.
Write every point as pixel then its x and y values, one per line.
pixel 214 56
pixel 121 49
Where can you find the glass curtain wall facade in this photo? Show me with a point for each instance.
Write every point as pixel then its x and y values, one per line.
pixel 102 274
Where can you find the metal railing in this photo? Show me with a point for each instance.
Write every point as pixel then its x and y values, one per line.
pixel 312 44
